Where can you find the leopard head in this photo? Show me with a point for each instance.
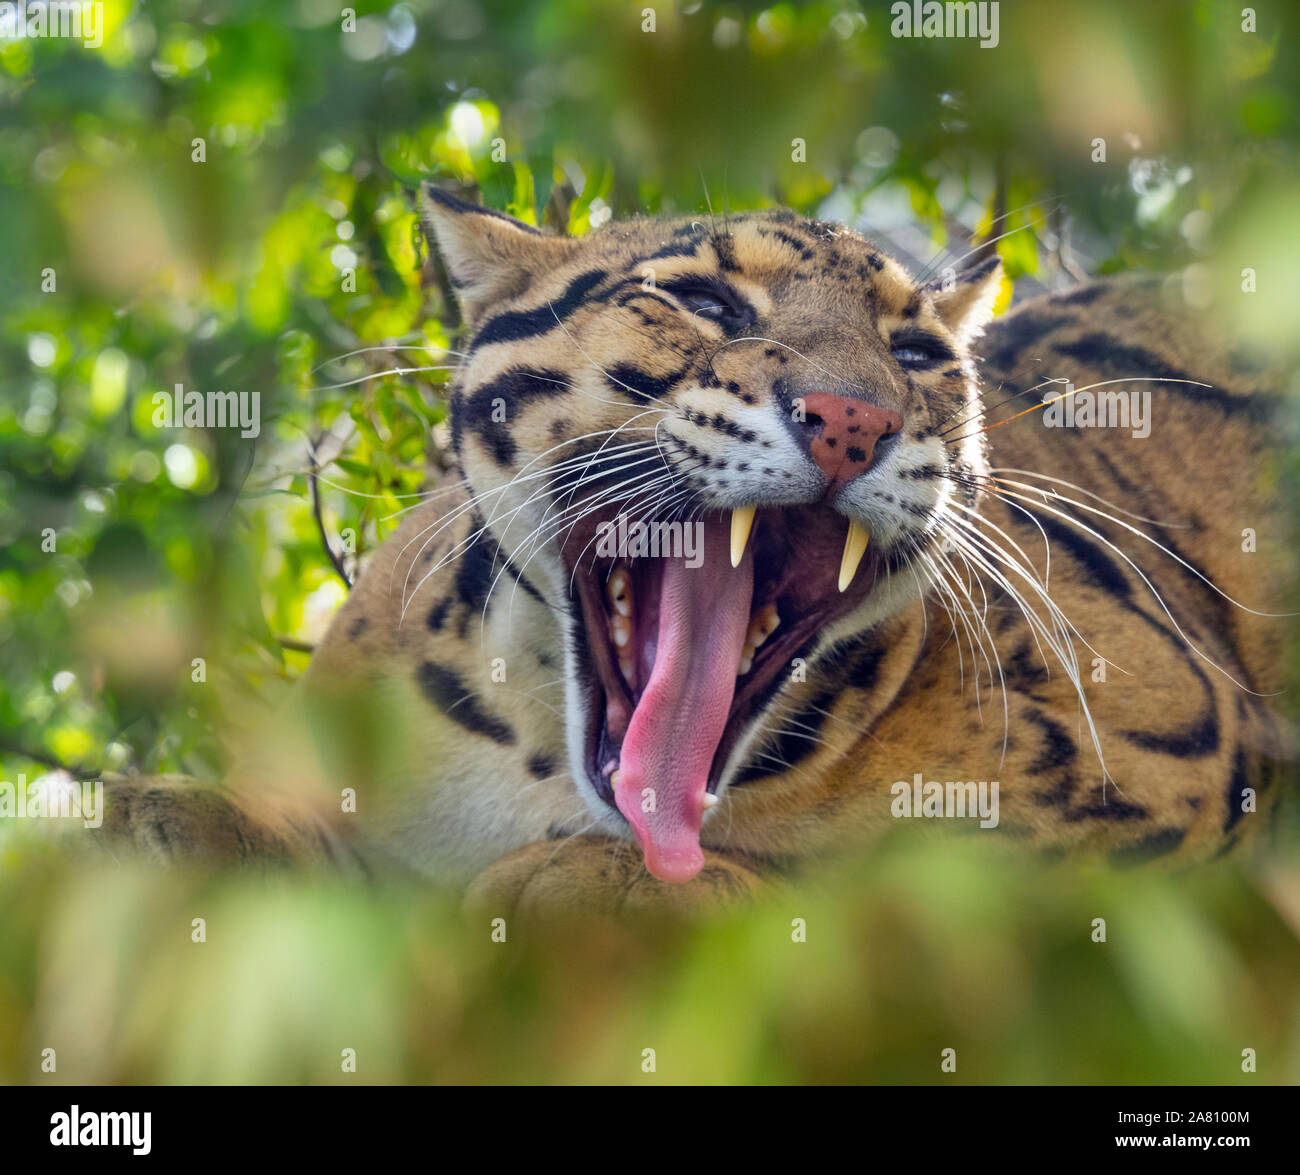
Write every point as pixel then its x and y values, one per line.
pixel 718 448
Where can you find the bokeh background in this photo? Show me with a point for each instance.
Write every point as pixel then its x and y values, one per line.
pixel 130 265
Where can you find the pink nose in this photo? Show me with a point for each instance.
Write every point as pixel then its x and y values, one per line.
pixel 843 433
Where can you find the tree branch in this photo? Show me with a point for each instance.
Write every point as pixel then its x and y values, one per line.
pixel 77 771
pixel 335 559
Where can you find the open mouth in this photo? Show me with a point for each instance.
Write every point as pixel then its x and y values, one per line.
pixel 690 627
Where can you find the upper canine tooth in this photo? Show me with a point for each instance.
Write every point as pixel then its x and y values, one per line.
pixel 855 546
pixel 742 521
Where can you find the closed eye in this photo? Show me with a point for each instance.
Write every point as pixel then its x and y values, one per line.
pixel 915 349
pixel 709 301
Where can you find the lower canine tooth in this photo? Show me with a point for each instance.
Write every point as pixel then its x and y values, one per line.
pixel 855 546
pixel 742 522
pixel 709 800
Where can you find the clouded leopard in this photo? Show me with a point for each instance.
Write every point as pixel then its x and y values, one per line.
pixel 881 568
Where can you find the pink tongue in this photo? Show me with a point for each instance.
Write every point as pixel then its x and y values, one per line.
pixel 678 723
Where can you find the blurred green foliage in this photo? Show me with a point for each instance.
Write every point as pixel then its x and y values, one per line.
pixel 137 258
pixel 906 955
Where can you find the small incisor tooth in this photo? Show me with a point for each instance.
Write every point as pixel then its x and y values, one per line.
pixel 764 625
pixel 619 590
pixel 742 522
pixel 621 628
pixel 855 546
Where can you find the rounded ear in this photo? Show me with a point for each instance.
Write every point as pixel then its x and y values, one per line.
pixel 965 304
pixel 489 256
